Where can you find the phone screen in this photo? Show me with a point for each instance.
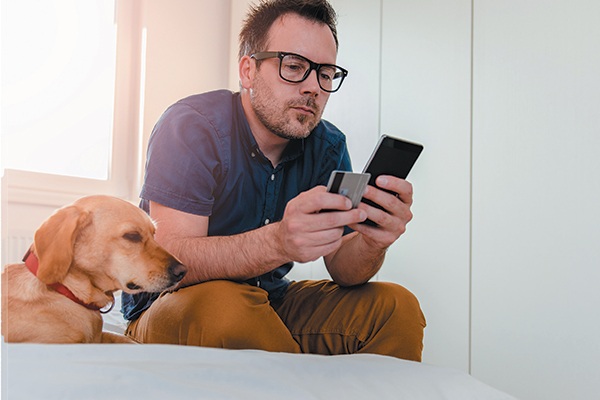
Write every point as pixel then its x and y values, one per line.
pixel 394 157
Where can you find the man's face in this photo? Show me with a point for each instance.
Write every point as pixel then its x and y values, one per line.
pixel 292 110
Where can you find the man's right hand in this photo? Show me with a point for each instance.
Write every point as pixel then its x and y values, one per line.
pixel 305 234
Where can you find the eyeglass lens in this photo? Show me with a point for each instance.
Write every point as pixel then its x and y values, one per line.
pixel 296 69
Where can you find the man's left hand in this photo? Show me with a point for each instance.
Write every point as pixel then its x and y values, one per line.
pixel 391 221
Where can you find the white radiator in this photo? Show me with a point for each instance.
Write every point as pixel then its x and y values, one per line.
pixel 16 246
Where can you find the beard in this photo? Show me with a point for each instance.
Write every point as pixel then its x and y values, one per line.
pixel 276 116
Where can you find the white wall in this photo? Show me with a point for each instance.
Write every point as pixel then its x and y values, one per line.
pixel 187 52
pixel 426 57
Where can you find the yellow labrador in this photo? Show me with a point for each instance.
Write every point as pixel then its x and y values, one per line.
pixel 81 255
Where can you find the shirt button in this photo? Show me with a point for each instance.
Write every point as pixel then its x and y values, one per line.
pixel 273 177
pixel 253 154
pixel 267 221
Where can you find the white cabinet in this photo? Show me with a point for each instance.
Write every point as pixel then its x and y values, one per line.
pixel 536 191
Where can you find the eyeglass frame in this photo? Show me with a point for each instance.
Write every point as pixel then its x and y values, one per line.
pixel 263 55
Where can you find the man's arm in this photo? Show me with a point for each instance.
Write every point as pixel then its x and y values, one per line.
pixel 302 235
pixel 209 258
pixel 362 253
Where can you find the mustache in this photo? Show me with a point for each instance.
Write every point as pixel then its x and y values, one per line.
pixel 308 102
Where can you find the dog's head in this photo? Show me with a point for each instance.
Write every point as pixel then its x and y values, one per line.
pixel 109 241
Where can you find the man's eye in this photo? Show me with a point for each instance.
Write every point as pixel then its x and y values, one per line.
pixel 294 67
pixel 134 237
pixel 327 73
pixel 326 77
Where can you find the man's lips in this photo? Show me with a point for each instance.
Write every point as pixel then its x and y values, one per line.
pixel 304 110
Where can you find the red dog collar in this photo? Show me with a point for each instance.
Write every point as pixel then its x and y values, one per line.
pixel 32 263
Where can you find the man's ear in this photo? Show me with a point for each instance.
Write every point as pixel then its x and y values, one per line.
pixel 247 68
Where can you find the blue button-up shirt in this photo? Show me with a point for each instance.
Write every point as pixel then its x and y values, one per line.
pixel 204 160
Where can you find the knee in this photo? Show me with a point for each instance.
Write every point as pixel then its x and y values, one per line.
pixel 402 322
pixel 397 302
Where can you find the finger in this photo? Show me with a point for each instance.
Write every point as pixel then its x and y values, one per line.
pixel 395 215
pixel 334 219
pixel 383 218
pixel 318 199
pixel 401 187
pixel 388 201
pixel 375 236
pixel 296 223
pixel 317 238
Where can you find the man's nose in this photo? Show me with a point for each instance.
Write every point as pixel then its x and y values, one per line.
pixel 311 84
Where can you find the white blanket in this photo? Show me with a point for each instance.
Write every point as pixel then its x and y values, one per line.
pixel 113 371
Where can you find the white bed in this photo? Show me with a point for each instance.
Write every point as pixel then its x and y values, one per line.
pixel 84 371
pixel 111 371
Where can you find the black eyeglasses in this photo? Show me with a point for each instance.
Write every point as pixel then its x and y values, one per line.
pixel 295 68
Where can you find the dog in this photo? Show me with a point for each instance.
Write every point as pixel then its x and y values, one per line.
pixel 81 255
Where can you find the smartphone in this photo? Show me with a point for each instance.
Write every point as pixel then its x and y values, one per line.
pixel 392 156
pixel 349 184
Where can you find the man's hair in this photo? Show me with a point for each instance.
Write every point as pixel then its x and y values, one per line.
pixel 260 18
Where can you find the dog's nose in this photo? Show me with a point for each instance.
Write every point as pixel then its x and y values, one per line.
pixel 177 271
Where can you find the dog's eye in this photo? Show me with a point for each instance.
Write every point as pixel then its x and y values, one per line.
pixel 133 237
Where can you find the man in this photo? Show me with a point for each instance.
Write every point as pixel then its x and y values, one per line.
pixel 235 184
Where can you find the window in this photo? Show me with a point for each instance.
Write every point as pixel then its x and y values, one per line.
pixel 66 124
pixel 58 67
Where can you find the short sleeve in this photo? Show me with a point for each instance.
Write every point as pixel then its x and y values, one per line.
pixel 184 161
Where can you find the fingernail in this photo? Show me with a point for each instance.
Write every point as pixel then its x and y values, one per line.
pixel 363 215
pixel 382 181
pixel 348 203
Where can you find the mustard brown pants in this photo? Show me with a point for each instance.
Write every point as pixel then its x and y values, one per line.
pixel 313 317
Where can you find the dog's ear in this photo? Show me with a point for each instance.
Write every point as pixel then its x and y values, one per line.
pixel 54 241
